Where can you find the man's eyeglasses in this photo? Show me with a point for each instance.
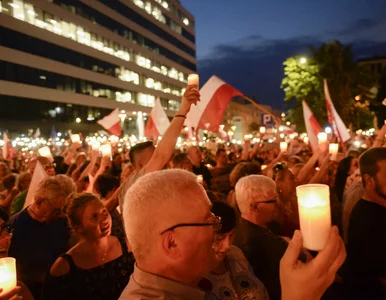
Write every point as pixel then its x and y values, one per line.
pixel 213 221
pixel 7 228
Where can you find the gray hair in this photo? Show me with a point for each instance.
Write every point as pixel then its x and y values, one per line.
pixel 55 189
pixel 252 188
pixel 157 201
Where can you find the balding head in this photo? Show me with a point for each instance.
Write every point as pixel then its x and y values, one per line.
pixel 44 161
pixel 157 202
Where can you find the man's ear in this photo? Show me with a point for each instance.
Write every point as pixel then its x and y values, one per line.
pixel 368 180
pixel 170 245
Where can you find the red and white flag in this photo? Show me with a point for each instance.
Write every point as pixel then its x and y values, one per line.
pixel 157 122
pixel 215 96
pixel 334 119
pixel 312 125
pixel 38 175
pixel 6 147
pixel 112 123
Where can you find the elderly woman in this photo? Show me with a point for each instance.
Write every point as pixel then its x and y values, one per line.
pixel 256 196
pixel 99 265
pixel 232 277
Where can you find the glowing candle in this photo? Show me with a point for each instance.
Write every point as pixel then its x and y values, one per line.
pixel 7 274
pixel 114 139
pixel 193 79
pixel 306 139
pixel 334 148
pixel 247 137
pixel 95 145
pixel 263 167
pixel 262 130
pixel 314 214
pixel 283 146
pixel 75 138
pixel 46 152
pixel 106 150
pixel 322 137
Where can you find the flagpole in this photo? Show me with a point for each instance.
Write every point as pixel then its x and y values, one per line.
pixel 258 106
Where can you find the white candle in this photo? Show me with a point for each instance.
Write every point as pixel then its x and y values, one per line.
pixel 7 274
pixel 262 130
pixel 75 138
pixel 306 139
pixel 114 139
pixel 314 214
pixel 322 137
pixel 106 150
pixel 283 146
pixel 247 137
pixel 334 148
pixel 46 152
pixel 263 167
pixel 193 79
pixel 95 145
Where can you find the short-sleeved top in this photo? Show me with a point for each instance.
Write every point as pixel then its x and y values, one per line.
pixel 105 282
pixel 36 245
pixel 264 250
pixel 366 248
pixel 239 282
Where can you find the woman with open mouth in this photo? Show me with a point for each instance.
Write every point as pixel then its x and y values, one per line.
pixel 99 265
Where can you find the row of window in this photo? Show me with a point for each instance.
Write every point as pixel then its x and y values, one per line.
pixel 176 11
pixel 16 40
pixel 95 16
pixel 47 113
pixel 26 12
pixel 22 74
pixel 155 12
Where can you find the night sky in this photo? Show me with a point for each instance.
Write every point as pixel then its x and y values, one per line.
pixel 244 42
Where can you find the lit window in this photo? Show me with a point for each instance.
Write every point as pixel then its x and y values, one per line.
pixel 148 7
pixel 139 3
pixel 186 21
pixel 146 100
pixel 149 83
pixel 165 4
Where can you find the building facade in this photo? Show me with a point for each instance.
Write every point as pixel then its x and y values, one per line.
pixel 70 62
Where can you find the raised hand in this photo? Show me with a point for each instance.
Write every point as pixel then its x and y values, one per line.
pixel 191 96
pixel 310 280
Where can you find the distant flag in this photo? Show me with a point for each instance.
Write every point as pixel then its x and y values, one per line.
pixel 112 123
pixel 157 122
pixel 312 125
pixel 37 133
pixel 6 147
pixel 215 96
pixel 334 119
pixel 38 175
pixel 53 133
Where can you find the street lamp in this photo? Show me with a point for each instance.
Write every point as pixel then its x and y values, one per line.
pixel 303 60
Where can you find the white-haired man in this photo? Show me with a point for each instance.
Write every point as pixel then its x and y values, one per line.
pixel 170 227
pixel 257 200
pixel 41 233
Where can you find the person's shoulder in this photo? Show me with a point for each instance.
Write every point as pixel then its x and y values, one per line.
pixel 60 267
pixel 18 216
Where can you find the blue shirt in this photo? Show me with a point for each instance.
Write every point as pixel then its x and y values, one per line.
pixel 36 245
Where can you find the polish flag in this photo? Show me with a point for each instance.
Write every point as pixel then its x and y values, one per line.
pixel 6 147
pixel 334 119
pixel 112 123
pixel 312 125
pixel 38 175
pixel 157 123
pixel 208 113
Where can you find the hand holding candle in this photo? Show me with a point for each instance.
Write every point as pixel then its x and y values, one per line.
pixel 314 214
pixel 7 274
pixel 334 148
pixel 106 150
pixel 283 147
pixel 323 143
pixel 193 79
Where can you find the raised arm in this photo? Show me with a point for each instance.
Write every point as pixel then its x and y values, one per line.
pixel 165 147
pixel 305 171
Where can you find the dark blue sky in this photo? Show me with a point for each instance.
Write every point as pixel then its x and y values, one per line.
pixel 245 41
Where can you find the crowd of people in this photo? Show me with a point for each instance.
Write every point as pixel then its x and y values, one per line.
pixel 194 223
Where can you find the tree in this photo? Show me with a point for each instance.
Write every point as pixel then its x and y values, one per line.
pixel 347 81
